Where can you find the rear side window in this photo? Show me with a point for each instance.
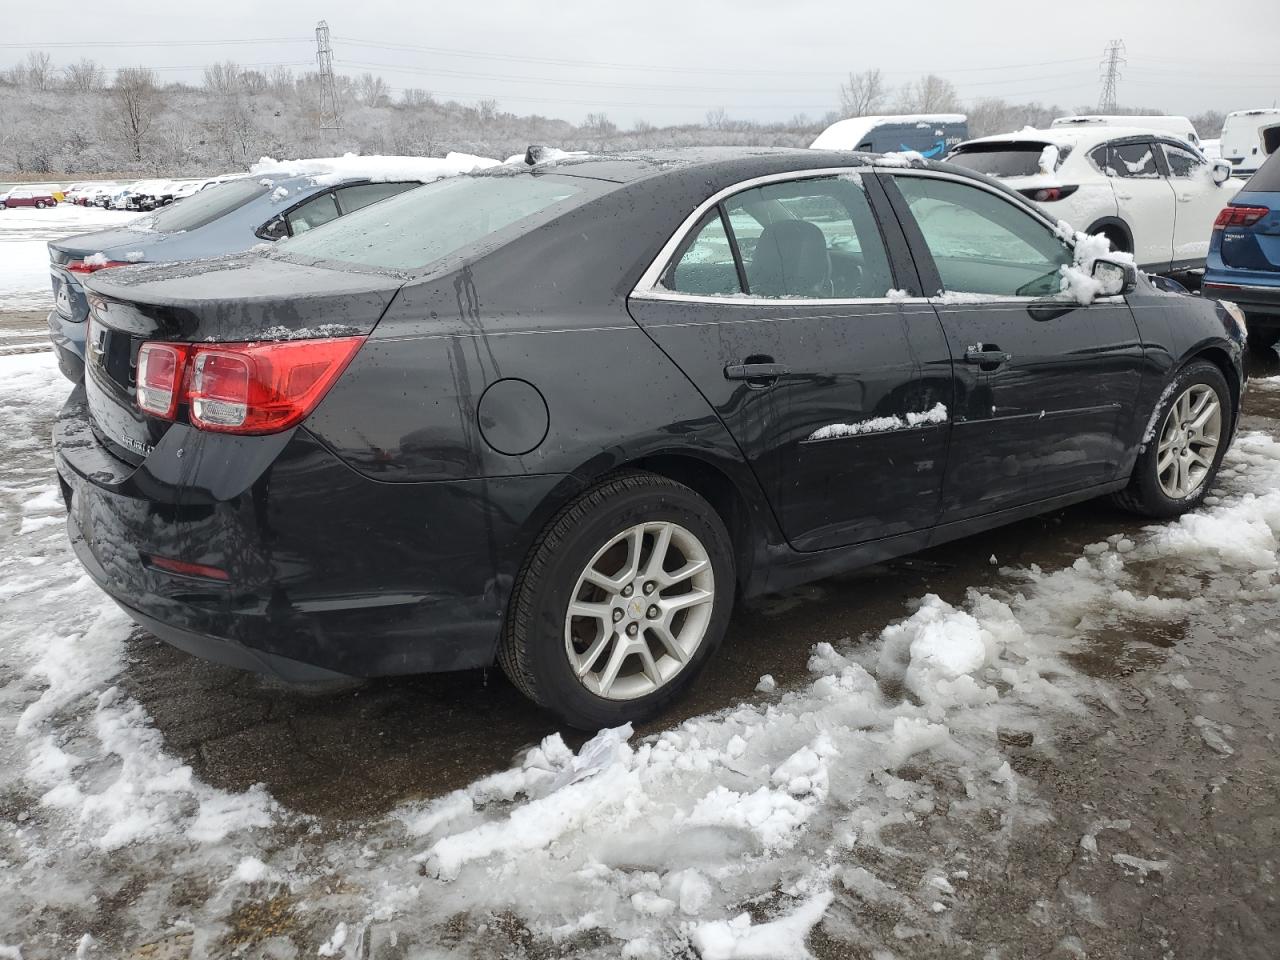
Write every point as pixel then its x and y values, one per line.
pixel 1136 160
pixel 416 228
pixel 354 198
pixel 802 239
pixel 1267 179
pixel 207 205
pixel 314 213
pixel 1002 159
pixel 982 243
pixel 706 266
pixel 1183 163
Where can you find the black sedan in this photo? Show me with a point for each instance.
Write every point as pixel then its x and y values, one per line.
pixel 560 415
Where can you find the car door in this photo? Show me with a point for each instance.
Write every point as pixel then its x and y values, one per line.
pixel 782 304
pixel 1197 201
pixel 1045 387
pixel 1144 200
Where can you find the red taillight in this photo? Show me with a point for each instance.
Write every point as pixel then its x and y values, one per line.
pixel 1048 194
pixel 159 379
pixel 247 388
pixel 93 266
pixel 1239 217
pixel 185 569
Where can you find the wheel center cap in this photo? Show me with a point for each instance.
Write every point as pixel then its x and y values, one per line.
pixel 635 608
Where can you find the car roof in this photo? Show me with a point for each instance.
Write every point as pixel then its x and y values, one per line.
pixel 719 163
pixel 1085 135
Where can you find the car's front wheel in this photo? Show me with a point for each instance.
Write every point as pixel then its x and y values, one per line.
pixel 1184 445
pixel 39 204
pixel 621 602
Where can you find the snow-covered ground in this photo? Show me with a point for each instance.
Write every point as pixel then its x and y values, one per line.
pixel 24 256
pixel 879 785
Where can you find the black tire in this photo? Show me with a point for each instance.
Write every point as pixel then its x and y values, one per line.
pixel 1144 494
pixel 532 650
pixel 39 204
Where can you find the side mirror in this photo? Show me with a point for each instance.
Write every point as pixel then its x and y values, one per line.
pixel 1114 278
pixel 1221 172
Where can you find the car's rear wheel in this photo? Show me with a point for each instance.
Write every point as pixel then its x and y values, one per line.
pixel 1185 445
pixel 39 204
pixel 621 602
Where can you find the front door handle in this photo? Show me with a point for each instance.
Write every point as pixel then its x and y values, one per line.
pixel 986 355
pixel 755 371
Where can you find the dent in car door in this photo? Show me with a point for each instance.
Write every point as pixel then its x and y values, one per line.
pixel 823 380
pixel 1044 387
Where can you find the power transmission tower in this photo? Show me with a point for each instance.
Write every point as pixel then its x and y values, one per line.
pixel 1112 60
pixel 330 116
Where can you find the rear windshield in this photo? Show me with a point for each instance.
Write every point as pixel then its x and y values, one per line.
pixel 1003 159
pixel 1267 179
pixel 207 205
pixel 407 232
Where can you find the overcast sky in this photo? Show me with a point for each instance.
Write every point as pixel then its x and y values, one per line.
pixel 666 62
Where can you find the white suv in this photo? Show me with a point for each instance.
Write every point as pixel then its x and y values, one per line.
pixel 1149 193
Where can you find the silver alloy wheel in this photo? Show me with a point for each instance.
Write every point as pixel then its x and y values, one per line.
pixel 1189 441
pixel 640 610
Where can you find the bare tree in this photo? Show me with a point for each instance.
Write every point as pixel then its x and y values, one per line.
pixel 1209 124
pixel 717 119
pixel 253 82
pixel 222 78
pixel 929 94
pixel 134 104
pixel 863 93
pixel 84 76
pixel 415 97
pixel 38 71
pixel 280 82
pixel 487 110
pixel 372 90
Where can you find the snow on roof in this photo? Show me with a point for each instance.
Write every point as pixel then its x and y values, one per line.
pixel 330 170
pixel 1255 112
pixel 1083 135
pixel 847 134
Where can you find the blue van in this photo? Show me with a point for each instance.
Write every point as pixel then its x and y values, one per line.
pixel 930 135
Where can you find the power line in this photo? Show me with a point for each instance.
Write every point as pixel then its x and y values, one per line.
pixel 150 43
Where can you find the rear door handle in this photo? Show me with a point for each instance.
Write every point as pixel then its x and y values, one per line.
pixel 986 355
pixel 755 371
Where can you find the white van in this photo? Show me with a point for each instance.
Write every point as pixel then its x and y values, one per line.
pixel 930 135
pixel 1180 127
pixel 1248 138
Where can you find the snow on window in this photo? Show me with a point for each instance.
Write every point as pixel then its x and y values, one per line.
pixel 1048 159
pixel 834 431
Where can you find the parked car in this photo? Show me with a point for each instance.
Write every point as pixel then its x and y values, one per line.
pixel 1150 194
pixel 1248 138
pixel 930 135
pixel 1180 127
pixel 24 197
pixel 1244 255
pixel 223 219
pixel 561 416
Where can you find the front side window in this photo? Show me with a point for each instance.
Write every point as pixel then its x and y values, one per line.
pixel 802 239
pixel 1184 163
pixel 1134 160
pixel 982 243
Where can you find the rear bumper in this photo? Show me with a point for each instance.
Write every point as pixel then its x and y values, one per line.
pixel 68 344
pixel 329 573
pixel 1258 301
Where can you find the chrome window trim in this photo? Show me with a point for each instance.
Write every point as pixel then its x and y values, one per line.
pixel 649 288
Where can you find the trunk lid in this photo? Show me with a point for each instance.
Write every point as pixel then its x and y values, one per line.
pixel 1257 246
pixel 232 299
